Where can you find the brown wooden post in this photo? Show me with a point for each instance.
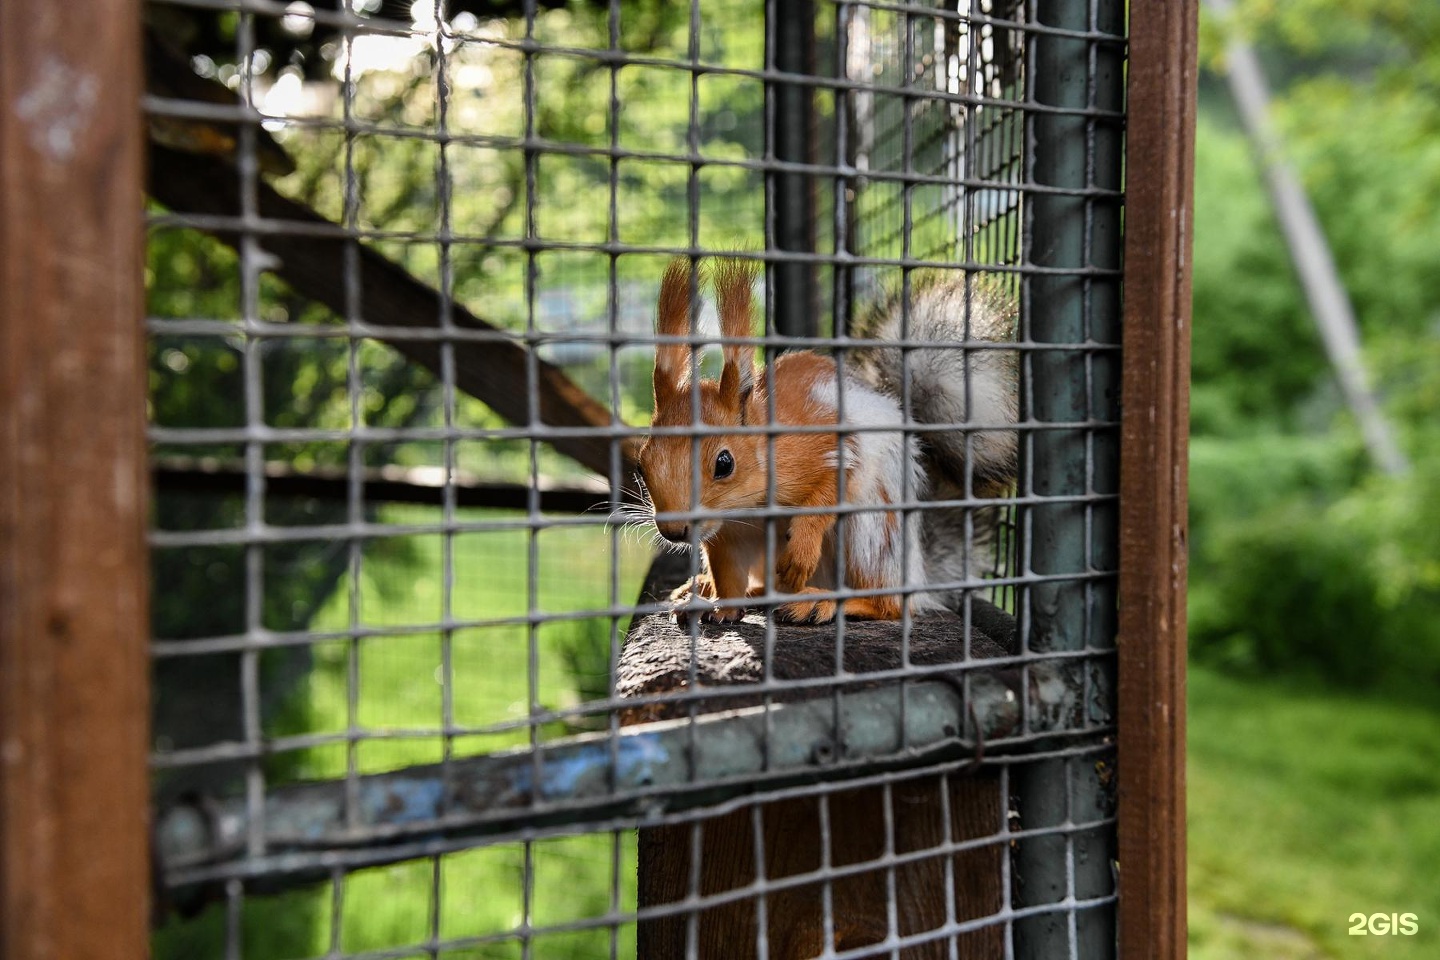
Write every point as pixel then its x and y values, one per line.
pixel 656 661
pixel 74 691
pixel 860 902
pixel 1159 166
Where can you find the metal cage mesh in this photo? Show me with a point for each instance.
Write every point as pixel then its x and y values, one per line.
pixel 402 272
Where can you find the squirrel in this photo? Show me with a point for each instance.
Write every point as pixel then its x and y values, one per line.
pixel 887 559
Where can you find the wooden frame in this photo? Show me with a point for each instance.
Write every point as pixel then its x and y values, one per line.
pixel 1159 163
pixel 74 676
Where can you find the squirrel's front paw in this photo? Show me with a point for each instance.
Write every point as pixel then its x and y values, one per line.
pixel 806 611
pixel 687 605
pixel 700 585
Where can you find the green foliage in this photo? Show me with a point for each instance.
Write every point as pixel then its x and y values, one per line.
pixel 1387 44
pixel 1295 596
pixel 1256 357
pixel 1304 565
pixel 1303 561
pixel 1375 188
pixel 1357 125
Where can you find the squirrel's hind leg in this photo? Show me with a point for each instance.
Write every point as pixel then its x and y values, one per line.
pixel 883 607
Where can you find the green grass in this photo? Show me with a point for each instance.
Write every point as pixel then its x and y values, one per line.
pixel 1306 807
pixel 400 676
pixel 399 689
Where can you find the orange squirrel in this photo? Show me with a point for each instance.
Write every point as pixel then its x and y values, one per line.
pixel 884 549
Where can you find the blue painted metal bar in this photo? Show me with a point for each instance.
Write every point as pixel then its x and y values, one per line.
pixel 652 769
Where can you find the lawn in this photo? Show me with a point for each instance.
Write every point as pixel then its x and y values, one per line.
pixel 1304 808
pixel 399 688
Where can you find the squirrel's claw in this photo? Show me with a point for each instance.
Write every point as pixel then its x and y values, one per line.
pixel 723 614
pixel 696 597
pixel 683 608
pixel 700 585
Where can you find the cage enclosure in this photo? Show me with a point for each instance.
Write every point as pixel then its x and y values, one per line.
pixel 466 319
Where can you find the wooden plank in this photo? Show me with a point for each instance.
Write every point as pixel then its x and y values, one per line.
pixel 74 691
pixel 1160 150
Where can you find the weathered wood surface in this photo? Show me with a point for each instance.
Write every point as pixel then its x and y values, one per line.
pixel 656 661
pixel 1159 162
pixel 74 677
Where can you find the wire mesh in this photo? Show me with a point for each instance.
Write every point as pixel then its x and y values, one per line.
pixel 418 693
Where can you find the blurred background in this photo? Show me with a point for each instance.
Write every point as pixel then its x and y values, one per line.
pixel 1314 727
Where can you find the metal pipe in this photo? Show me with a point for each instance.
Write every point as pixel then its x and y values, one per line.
pixel 1069 233
pixel 1309 251
pixel 792 195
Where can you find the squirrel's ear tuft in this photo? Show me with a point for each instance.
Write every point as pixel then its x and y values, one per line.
pixel 734 286
pixel 736 388
pixel 679 293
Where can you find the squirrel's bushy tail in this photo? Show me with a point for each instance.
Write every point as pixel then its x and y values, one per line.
pixel 965 381
pixel 960 380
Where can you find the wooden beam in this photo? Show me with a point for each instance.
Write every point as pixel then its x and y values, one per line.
pixel 388 484
pixel 1159 164
pixel 74 675
pixel 494 371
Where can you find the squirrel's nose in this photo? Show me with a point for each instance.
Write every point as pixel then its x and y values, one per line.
pixel 675 532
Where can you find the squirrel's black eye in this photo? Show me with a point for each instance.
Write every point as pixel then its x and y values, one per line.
pixel 724 465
